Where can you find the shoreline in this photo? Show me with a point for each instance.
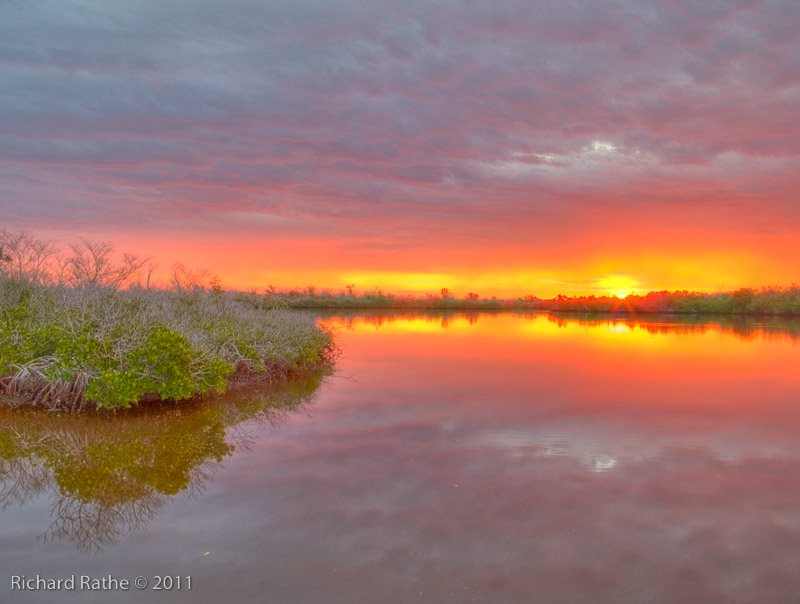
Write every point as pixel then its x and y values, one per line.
pixel 516 308
pixel 262 383
pixel 69 348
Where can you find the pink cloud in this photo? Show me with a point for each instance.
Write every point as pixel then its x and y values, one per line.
pixel 509 122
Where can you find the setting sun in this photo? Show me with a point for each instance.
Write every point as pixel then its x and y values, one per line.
pixel 618 286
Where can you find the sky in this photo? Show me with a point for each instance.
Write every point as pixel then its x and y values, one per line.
pixel 503 148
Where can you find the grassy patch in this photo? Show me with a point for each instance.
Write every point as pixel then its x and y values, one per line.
pixel 67 347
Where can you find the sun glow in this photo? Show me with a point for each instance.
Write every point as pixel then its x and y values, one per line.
pixel 618 286
pixel 506 273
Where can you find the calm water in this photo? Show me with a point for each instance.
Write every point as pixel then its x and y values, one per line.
pixel 468 458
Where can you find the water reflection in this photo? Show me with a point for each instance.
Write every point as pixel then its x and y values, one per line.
pixel 744 327
pixel 110 474
pixel 571 459
pixel 487 458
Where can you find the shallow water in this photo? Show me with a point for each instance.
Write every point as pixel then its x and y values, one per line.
pixel 452 458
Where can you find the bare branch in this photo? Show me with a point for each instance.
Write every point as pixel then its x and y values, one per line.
pixel 92 265
pixel 25 258
pixel 186 280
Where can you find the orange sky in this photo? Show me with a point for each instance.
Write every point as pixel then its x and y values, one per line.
pixel 490 270
pixel 509 149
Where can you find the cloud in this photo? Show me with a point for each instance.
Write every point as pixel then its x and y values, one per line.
pixel 445 116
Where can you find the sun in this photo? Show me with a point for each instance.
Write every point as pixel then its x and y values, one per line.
pixel 618 286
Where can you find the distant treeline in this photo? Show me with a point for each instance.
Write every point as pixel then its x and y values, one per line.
pixel 311 298
pixel 744 301
pixel 768 301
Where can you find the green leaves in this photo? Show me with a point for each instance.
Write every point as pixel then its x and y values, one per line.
pixel 63 347
pixel 165 365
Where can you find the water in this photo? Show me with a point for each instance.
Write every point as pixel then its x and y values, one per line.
pixel 462 458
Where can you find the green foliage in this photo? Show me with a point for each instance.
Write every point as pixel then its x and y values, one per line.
pixel 7 445
pixel 62 347
pixel 743 298
pixel 165 366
